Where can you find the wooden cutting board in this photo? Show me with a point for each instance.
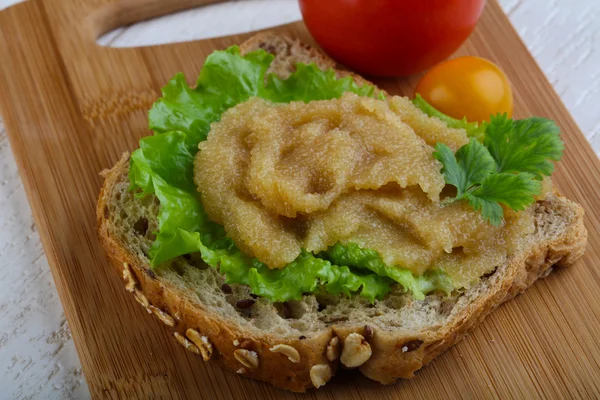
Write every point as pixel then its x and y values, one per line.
pixel 71 108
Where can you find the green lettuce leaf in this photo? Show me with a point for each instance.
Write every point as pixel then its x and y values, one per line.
pixel 352 255
pixel 303 275
pixel 226 79
pixel 473 129
pixel 310 83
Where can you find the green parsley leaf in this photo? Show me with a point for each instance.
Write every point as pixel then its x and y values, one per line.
pixel 526 145
pixel 506 168
pixel 490 209
pixel 517 191
pixel 471 164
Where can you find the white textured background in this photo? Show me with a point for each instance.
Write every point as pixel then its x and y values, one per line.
pixel 37 355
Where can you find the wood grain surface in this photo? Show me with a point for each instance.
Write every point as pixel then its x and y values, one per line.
pixel 71 108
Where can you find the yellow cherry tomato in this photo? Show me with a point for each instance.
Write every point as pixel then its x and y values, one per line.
pixel 470 87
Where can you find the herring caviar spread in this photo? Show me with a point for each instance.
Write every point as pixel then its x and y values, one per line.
pixel 282 178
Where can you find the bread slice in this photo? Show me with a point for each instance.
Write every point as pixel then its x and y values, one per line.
pixel 297 345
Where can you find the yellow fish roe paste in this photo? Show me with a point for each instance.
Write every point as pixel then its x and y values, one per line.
pixel 286 177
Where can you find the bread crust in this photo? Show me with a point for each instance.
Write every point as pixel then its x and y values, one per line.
pixel 394 355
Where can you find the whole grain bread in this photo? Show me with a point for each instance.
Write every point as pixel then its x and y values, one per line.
pixel 299 344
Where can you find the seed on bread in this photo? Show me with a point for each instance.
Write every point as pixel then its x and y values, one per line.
pixel 150 272
pixel 186 343
pixel 334 349
pixel 247 358
pixel 291 353
pixel 356 351
pixel 130 282
pixel 244 304
pixel 141 298
pixel 163 316
pixel 320 374
pixel 202 342
pixel 226 289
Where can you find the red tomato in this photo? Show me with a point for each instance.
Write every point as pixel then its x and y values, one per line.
pixel 390 37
